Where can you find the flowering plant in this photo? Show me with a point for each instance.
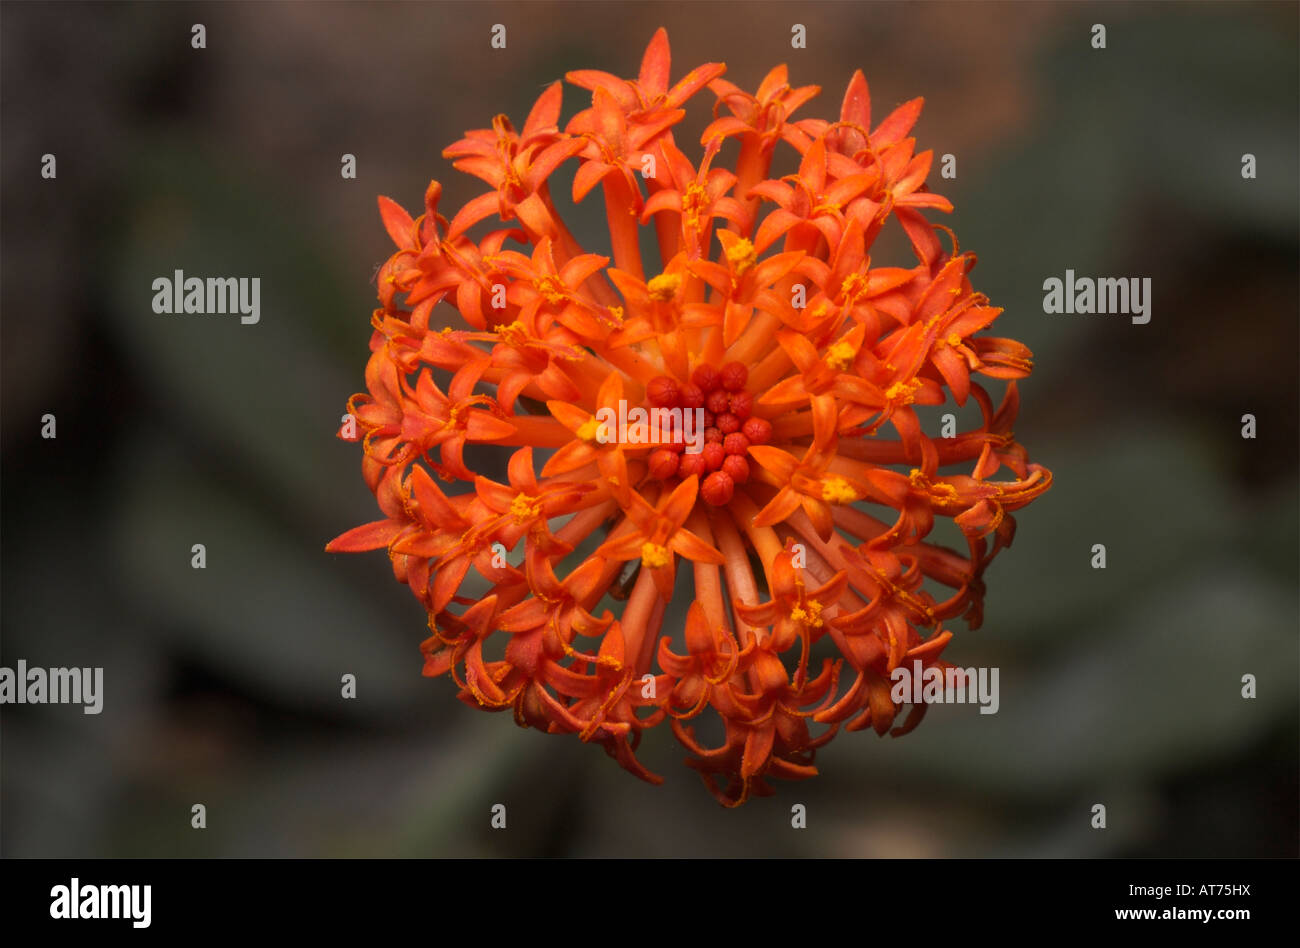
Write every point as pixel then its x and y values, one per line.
pixel 766 316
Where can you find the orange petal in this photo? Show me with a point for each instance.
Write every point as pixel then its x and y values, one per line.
pixel 398 223
pixel 369 536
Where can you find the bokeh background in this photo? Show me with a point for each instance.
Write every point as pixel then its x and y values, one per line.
pixel 1118 686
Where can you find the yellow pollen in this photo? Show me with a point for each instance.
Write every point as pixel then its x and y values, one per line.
pixel 693 199
pixel 617 313
pixel 810 613
pixel 664 287
pixel 938 489
pixel 515 334
pixel 954 339
pixel 742 255
pixel 654 556
pixel 552 289
pixel 836 490
pixel 903 391
pixel 590 429
pixel 523 508
pixel 854 284
pixel 839 356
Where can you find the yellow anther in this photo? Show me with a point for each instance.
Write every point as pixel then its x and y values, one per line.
pixel 590 430
pixel 854 284
pixel 839 356
pixel 742 255
pixel 664 286
pixel 810 613
pixel 550 287
pixel 654 556
pixel 515 334
pixel 524 508
pixel 836 490
pixel 693 199
pixel 903 391
pixel 938 489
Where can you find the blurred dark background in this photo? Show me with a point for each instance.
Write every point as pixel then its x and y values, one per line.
pixel 1118 686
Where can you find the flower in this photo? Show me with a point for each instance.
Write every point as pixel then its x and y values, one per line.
pixel 793 525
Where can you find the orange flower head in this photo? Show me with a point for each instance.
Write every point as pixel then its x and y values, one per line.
pixel 712 425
